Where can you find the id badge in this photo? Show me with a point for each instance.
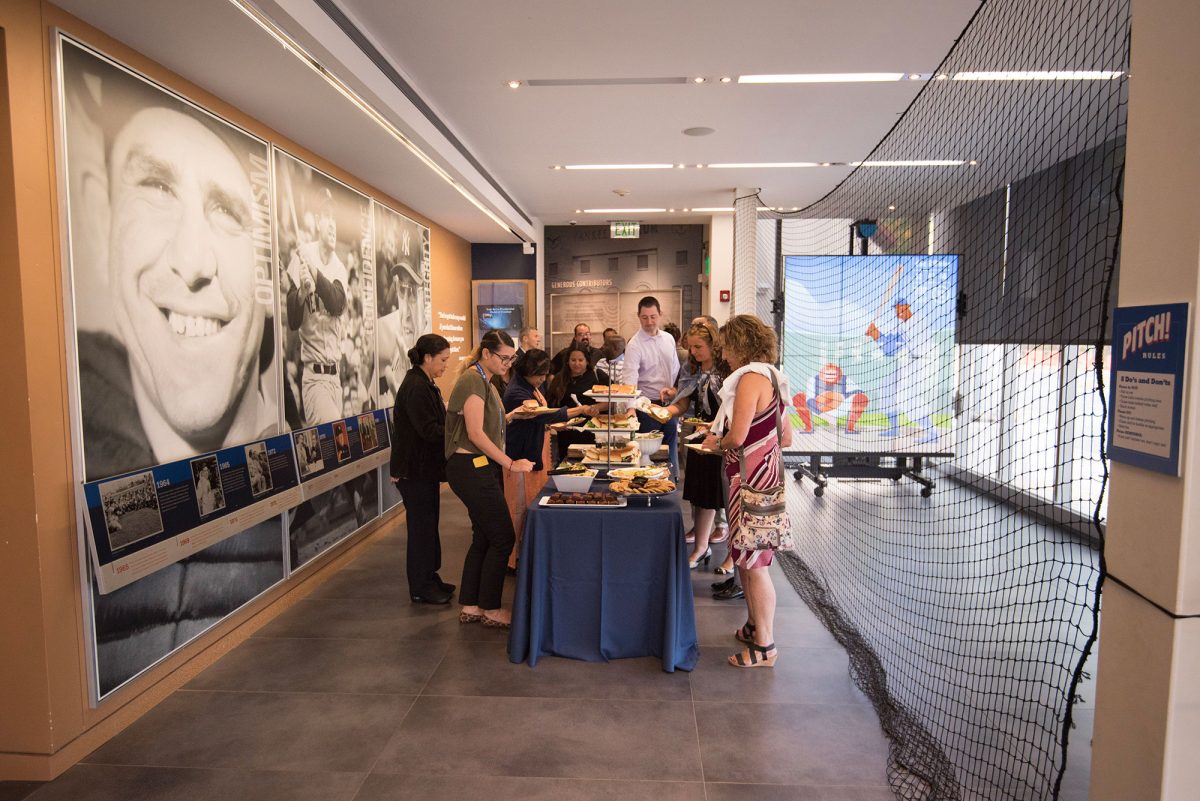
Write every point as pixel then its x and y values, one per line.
pixel 480 461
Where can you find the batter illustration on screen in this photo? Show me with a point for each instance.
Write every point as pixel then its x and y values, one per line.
pixel 904 340
pixel 316 298
pixel 828 390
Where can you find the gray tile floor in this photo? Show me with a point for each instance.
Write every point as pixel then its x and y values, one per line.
pixel 355 693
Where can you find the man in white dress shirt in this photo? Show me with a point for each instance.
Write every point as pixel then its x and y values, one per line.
pixel 651 364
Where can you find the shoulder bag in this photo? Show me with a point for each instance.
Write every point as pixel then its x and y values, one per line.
pixel 765 524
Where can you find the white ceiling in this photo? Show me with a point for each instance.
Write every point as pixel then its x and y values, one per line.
pixel 458 54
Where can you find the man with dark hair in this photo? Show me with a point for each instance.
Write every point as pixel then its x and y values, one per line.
pixel 581 341
pixel 651 364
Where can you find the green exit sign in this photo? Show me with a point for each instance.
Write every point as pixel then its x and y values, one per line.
pixel 624 230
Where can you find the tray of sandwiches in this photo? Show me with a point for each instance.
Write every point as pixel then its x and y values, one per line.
pixel 616 422
pixel 643 486
pixel 605 391
pixel 604 500
pixel 619 454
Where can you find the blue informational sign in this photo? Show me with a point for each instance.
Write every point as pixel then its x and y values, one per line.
pixel 1149 357
pixel 142 521
pixel 329 447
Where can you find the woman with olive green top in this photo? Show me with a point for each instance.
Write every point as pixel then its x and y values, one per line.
pixel 475 465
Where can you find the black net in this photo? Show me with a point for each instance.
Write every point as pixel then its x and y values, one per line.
pixel 944 334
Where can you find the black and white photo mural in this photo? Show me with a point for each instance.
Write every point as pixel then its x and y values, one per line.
pixel 326 294
pixel 171 321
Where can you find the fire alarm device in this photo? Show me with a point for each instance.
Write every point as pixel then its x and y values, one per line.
pixel 724 295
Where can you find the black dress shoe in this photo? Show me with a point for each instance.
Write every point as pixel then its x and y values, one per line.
pixel 721 585
pixel 445 585
pixel 434 597
pixel 729 593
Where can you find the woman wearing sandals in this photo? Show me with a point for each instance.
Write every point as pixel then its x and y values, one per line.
pixel 475 465
pixel 703 482
pixel 750 416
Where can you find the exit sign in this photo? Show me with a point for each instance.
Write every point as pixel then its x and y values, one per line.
pixel 624 230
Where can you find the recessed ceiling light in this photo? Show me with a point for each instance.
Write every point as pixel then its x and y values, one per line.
pixel 941 76
pixel 716 208
pixel 671 210
pixel 891 208
pixel 579 211
pixel 699 166
pixel 914 76
pixel 687 209
pixel 826 163
pixel 556 167
pixel 699 79
pixel 619 166
pixel 726 79
pixel 795 208
pixel 764 164
pixel 1039 75
pixel 699 130
pixel 622 211
pixel 514 84
pixel 825 77
pixel 681 166
pixel 911 163
pixel 973 162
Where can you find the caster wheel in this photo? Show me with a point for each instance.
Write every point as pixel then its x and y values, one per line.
pixel 895 479
pixel 819 491
pixel 926 492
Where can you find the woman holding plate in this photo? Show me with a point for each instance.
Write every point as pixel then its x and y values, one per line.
pixel 753 435
pixel 526 435
pixel 703 483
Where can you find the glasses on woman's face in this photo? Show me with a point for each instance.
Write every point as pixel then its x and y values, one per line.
pixel 507 360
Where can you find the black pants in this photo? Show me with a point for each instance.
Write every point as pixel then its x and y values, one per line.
pixel 423 507
pixel 481 489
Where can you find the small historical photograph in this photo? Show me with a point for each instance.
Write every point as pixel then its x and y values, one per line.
pixel 308 452
pixel 341 440
pixel 206 477
pixel 367 432
pixel 130 509
pixel 259 468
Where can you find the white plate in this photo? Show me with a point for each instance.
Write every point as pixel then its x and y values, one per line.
pixel 633 472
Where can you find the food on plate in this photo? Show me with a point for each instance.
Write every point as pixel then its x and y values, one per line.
pixel 583 499
pixel 639 472
pixel 648 435
pixel 571 466
pixel 606 421
pixel 615 389
pixel 530 405
pixel 574 421
pixel 612 453
pixel 696 421
pixel 653 486
pixel 660 413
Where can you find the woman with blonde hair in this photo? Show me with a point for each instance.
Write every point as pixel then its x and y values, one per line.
pixel 475 464
pixel 752 436
pixel 703 483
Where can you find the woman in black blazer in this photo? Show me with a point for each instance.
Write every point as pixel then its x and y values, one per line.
pixel 419 465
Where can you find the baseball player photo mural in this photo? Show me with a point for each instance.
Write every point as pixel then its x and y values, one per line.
pixel 173 304
pixel 324 238
pixel 402 295
pixel 904 341
pixel 830 393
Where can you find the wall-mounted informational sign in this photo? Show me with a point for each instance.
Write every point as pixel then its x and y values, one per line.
pixel 1149 358
pixel 146 520
pixel 624 229
pixel 332 453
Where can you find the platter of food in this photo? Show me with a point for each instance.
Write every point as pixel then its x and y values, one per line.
pixel 626 473
pixel 603 500
pixel 604 422
pixel 660 413
pixel 638 486
pixel 696 421
pixel 599 391
pixel 628 453
pixel 574 422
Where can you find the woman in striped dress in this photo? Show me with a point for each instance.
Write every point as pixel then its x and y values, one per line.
pixel 752 432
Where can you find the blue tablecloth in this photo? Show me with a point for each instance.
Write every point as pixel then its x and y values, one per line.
pixel 600 584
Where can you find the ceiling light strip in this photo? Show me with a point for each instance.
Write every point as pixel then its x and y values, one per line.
pixel 619 166
pixel 826 77
pixel 911 163
pixel 764 165
pixel 289 44
pixel 1039 75
pixel 623 211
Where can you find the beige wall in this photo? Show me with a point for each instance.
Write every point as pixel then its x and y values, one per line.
pixel 46 722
